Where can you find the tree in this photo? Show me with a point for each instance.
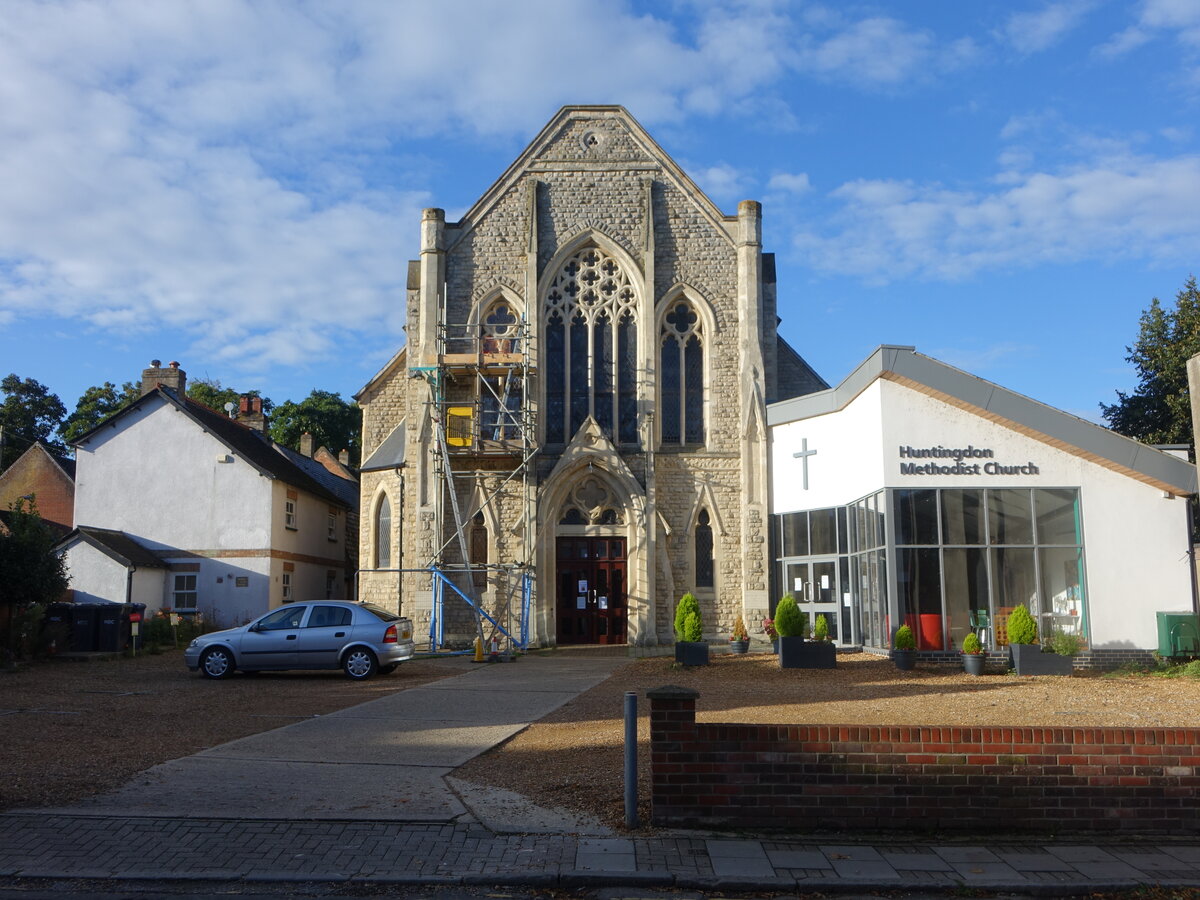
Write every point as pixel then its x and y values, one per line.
pixel 96 405
pixel 31 574
pixel 29 413
pixel 214 395
pixel 1159 410
pixel 331 421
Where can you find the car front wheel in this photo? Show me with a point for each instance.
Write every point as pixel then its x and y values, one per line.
pixel 360 664
pixel 217 662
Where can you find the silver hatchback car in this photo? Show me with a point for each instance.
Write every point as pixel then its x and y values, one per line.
pixel 358 638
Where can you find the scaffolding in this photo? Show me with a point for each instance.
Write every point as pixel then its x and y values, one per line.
pixel 484 439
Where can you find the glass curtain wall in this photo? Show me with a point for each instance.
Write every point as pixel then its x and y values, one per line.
pixel 966 558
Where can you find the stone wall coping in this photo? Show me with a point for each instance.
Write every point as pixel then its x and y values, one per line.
pixel 672 692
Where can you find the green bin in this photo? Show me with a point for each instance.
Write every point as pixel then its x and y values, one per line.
pixel 1178 634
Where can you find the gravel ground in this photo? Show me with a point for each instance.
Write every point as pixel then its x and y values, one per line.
pixel 71 729
pixel 573 758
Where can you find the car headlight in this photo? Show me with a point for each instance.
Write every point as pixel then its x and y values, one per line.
pixel 194 644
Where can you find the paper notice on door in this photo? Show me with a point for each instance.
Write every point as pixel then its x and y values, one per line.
pixel 581 602
pixel 582 587
pixel 604 603
pixel 798 584
pixel 846 599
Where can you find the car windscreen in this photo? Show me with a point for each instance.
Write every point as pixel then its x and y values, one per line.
pixel 379 612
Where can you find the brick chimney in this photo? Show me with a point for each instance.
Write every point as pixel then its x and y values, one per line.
pixel 344 457
pixel 250 414
pixel 306 444
pixel 172 377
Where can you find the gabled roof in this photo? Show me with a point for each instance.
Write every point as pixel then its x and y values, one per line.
pixel 343 489
pixel 389 367
pixel 652 156
pixel 252 446
pixel 62 463
pixel 389 454
pixel 118 545
pixel 1071 434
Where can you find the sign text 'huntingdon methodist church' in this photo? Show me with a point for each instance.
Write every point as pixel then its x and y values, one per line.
pixel 960 466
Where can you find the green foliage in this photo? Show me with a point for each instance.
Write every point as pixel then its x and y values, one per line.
pixel 1065 644
pixel 971 644
pixel 821 628
pixel 904 639
pixel 739 632
pixel 689 625
pixel 1159 411
pixel 789 621
pixel 215 395
pixel 1022 628
pixel 96 405
pixel 333 423
pixel 28 413
pixel 30 574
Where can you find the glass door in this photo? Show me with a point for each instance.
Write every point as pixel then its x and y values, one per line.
pixel 817 586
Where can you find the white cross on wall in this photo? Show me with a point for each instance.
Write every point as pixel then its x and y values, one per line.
pixel 803 456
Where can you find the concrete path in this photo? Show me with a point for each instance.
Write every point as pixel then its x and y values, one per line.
pixel 384 760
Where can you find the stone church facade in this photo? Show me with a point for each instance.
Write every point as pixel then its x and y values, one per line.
pixel 577 422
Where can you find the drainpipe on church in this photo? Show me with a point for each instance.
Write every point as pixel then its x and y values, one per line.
pixel 1193 376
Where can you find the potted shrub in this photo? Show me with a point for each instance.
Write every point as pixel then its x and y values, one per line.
pixel 772 635
pixel 794 651
pixel 821 628
pixel 973 657
pixel 1027 657
pixel 690 646
pixel 904 649
pixel 739 639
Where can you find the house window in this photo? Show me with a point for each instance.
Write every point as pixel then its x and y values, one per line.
pixel 289 514
pixel 704 550
pixel 287 587
pixel 682 376
pixel 591 349
pixel 184 595
pixel 331 522
pixel 383 534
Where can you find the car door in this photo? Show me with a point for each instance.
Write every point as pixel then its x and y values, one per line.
pixel 270 643
pixel 323 636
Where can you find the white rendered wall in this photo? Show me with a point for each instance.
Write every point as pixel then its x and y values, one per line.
pixel 157 478
pixel 95 576
pixel 147 588
pixel 846 465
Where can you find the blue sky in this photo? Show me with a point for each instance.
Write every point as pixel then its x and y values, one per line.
pixel 237 185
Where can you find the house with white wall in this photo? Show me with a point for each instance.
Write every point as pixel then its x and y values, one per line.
pixel 237 523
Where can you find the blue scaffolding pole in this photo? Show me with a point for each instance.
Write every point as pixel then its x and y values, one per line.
pixel 437 620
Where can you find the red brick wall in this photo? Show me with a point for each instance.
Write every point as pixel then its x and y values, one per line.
pixel 36 473
pixel 919 778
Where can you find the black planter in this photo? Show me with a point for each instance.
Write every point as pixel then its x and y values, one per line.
pixel 1028 659
pixel 797 653
pixel 905 660
pixel 691 653
pixel 739 646
pixel 973 663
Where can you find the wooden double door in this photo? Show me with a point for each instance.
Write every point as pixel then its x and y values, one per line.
pixel 591 590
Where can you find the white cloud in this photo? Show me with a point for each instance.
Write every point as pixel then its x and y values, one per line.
pixel 1133 207
pixel 722 182
pixel 879 52
pixel 1180 18
pixel 1033 32
pixel 789 183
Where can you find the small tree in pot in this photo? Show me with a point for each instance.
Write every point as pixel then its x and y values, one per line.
pixel 1027 656
pixel 794 651
pixel 904 649
pixel 973 656
pixel 690 647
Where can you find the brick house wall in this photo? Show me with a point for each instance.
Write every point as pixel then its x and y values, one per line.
pixel 906 778
pixel 37 472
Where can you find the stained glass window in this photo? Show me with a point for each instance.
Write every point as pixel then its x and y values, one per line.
pixel 704 551
pixel 383 534
pixel 681 376
pixel 591 349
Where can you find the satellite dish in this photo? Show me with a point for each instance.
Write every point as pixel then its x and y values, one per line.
pixel 230 406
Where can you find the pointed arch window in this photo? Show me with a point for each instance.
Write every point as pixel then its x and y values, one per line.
pixel 682 376
pixel 383 534
pixel 479 551
pixel 591 349
pixel 703 536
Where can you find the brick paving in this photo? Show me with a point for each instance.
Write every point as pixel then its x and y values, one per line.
pixel 56 846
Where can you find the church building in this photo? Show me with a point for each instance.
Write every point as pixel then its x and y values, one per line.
pixel 575 432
